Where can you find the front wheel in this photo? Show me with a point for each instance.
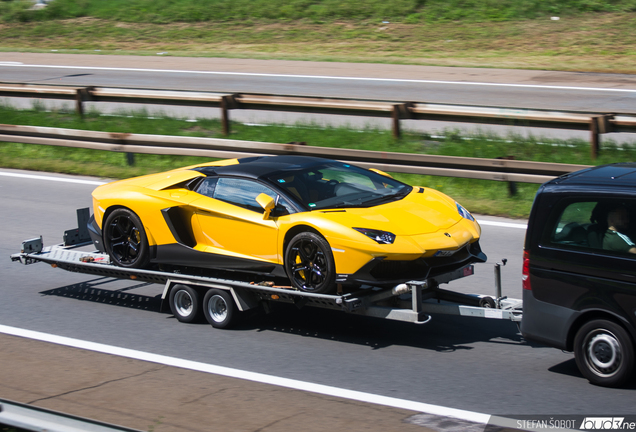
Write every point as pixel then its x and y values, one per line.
pixel 309 263
pixel 125 239
pixel 219 308
pixel 604 353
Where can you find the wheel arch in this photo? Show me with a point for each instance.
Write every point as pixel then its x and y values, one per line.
pixel 593 315
pixel 112 208
pixel 296 230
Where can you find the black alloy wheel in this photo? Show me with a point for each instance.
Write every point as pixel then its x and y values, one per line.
pixel 125 239
pixel 309 263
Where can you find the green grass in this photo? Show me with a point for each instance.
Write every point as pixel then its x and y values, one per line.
pixel 591 35
pixel 408 11
pixel 483 197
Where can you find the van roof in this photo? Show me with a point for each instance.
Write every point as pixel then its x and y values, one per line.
pixel 617 174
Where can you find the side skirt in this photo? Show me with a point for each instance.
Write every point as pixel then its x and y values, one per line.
pixel 180 255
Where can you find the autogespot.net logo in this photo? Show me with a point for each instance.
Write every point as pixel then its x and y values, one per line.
pixel 607 423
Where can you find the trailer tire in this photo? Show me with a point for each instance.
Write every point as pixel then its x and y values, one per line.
pixel 604 353
pixel 487 302
pixel 219 309
pixel 185 303
pixel 125 239
pixel 309 263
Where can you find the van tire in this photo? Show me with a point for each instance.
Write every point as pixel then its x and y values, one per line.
pixel 604 353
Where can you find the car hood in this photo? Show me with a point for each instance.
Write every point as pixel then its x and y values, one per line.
pixel 417 213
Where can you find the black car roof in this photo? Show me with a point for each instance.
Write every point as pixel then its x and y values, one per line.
pixel 613 175
pixel 264 166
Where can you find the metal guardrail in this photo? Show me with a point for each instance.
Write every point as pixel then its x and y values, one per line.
pixel 596 123
pixel 34 418
pixel 451 166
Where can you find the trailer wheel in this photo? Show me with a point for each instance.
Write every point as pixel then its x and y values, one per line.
pixel 219 308
pixel 604 353
pixel 309 263
pixel 185 303
pixel 125 239
pixel 487 302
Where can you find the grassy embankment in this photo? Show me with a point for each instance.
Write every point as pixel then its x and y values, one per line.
pixel 591 35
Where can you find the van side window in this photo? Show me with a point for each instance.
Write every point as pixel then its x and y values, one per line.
pixel 571 228
pixel 601 225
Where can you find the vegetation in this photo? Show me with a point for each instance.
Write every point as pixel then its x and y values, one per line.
pixel 485 197
pixel 408 11
pixel 590 35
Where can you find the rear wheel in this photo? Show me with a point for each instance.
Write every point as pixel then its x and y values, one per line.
pixel 604 353
pixel 185 303
pixel 219 308
pixel 125 239
pixel 309 263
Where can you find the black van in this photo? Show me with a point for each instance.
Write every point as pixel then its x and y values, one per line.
pixel 579 270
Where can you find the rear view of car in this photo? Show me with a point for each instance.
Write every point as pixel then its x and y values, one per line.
pixel 579 270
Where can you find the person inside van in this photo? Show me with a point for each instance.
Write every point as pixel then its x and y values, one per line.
pixel 617 225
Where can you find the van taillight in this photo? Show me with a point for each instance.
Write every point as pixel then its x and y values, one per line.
pixel 525 273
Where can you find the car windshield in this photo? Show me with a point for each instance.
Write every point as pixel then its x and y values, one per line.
pixel 338 185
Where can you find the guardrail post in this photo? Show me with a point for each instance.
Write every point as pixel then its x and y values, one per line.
pixel 227 103
pixel 121 139
pixel 80 97
pixel 512 186
pixel 401 111
pixel 599 125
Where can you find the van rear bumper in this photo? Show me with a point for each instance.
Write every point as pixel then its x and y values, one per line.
pixel 546 323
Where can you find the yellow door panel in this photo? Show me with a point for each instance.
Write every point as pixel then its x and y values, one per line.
pixel 232 230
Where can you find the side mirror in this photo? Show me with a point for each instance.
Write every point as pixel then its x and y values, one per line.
pixel 380 172
pixel 267 202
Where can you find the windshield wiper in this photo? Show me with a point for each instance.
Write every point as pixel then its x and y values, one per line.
pixel 388 198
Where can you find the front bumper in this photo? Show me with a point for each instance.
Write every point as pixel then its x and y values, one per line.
pixel 382 272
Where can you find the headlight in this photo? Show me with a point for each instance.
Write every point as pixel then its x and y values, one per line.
pixel 464 213
pixel 382 237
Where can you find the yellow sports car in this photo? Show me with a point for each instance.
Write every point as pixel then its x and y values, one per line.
pixel 317 222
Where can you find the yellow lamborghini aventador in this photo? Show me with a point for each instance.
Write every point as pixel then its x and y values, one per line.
pixel 317 222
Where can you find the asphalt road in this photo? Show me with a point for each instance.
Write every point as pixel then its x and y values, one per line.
pixel 603 93
pixel 471 364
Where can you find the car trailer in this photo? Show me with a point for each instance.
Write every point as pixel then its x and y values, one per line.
pixel 189 295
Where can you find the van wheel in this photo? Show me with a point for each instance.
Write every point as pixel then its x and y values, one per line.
pixel 219 309
pixel 185 303
pixel 604 353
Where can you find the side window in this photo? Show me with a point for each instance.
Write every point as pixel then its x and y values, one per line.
pixel 603 225
pixel 572 226
pixel 207 187
pixel 243 193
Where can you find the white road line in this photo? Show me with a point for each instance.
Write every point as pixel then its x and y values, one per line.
pixel 503 224
pixel 326 77
pixel 50 178
pixel 250 376
pixel 98 183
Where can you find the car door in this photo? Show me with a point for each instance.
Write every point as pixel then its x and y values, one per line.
pixel 231 222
